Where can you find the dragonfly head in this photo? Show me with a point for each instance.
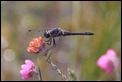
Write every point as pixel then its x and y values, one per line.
pixel 46 34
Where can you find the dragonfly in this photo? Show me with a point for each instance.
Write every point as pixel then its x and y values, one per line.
pixel 51 34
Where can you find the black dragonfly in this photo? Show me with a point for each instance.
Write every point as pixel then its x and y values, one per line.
pixel 58 32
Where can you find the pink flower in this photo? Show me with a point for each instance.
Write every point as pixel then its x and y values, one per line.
pixel 108 61
pixel 28 69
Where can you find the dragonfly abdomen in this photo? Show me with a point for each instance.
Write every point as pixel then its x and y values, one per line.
pixel 77 33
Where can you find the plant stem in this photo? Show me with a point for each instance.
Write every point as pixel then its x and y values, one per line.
pixel 117 74
pixel 58 70
pixel 39 71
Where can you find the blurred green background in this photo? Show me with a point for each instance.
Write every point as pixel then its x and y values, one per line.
pixel 79 53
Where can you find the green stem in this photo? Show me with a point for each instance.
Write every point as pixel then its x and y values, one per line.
pixel 39 71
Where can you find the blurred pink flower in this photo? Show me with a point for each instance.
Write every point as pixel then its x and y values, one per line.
pixel 108 61
pixel 28 69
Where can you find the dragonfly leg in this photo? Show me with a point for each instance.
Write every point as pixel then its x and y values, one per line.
pixel 46 51
pixel 54 45
pixel 49 41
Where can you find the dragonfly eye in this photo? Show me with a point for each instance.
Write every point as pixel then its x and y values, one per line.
pixel 47 35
